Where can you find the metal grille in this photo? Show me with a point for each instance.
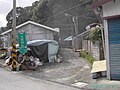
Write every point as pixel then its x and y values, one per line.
pixel 114 47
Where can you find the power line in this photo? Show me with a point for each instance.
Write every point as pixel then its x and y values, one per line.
pixel 82 15
pixel 66 10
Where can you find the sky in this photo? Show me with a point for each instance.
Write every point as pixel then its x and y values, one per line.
pixel 7 5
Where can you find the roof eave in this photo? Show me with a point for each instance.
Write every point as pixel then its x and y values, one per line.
pixel 40 25
pixel 99 3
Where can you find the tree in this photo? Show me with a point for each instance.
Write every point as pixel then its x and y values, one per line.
pixel 95 34
pixel 40 12
pixel 3 29
pixel 22 15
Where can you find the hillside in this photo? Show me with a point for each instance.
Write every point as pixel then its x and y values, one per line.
pixel 52 13
pixel 74 8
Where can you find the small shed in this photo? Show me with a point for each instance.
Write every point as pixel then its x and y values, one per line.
pixel 45 50
pixel 33 30
pixel 110 12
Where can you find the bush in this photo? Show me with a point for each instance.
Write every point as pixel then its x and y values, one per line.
pixel 87 56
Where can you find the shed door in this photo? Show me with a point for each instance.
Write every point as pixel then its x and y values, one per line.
pixel 114 47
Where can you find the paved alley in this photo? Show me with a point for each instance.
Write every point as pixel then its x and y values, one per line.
pixel 14 81
pixel 72 69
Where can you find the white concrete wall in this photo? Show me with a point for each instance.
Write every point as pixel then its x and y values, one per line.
pixel 33 32
pixel 111 8
pixel 95 51
pixel 107 48
pixel 41 33
pixel 92 48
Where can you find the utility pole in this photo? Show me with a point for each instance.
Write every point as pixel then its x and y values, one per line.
pixel 75 21
pixel 75 25
pixel 13 53
pixel 72 32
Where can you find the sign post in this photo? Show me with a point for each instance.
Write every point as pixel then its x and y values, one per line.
pixel 22 43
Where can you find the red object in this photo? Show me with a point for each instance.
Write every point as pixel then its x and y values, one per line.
pixel 3 50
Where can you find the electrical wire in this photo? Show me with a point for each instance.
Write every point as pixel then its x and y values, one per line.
pixel 82 15
pixel 66 10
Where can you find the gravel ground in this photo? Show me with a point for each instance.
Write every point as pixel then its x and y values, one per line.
pixel 72 69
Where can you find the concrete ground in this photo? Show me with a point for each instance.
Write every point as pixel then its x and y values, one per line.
pixel 72 71
pixel 15 81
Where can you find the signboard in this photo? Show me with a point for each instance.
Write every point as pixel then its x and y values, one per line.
pixel 22 42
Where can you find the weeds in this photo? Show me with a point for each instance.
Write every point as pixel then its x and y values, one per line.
pixel 87 56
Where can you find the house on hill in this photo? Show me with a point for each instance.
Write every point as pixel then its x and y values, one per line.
pixel 34 31
pixel 109 10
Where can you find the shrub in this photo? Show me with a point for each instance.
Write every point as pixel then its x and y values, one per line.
pixel 87 56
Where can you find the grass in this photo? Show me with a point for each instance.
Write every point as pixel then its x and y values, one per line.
pixel 87 56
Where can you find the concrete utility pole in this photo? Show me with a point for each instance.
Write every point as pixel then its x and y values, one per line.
pixel 72 33
pixel 75 20
pixel 14 19
pixel 13 53
pixel 75 42
pixel 72 29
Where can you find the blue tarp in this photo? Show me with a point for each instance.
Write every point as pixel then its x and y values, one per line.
pixel 68 38
pixel 44 49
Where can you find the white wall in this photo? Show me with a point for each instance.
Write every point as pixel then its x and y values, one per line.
pixel 95 50
pixel 111 8
pixel 92 48
pixel 33 32
pixel 107 48
pixel 41 33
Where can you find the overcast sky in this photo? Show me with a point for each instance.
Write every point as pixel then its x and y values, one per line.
pixel 6 6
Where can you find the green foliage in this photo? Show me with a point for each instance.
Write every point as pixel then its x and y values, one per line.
pixel 42 9
pixel 2 29
pixel 22 15
pixel 94 34
pixel 87 56
pixel 38 12
pixel 87 8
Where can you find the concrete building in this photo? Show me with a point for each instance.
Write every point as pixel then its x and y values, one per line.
pixel 109 10
pixel 34 31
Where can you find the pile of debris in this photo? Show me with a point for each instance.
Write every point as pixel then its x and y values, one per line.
pixel 38 52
